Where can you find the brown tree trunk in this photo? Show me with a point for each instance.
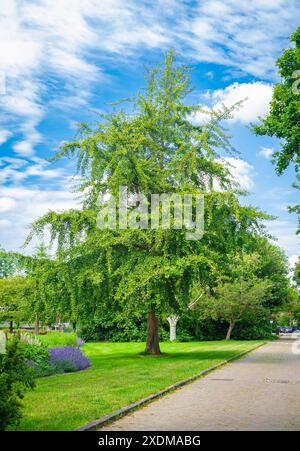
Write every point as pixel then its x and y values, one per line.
pixel 230 329
pixel 36 325
pixel 11 327
pixel 152 345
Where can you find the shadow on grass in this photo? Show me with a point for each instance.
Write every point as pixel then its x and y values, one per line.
pixel 195 355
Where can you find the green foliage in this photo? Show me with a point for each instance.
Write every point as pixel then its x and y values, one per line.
pixel 15 378
pixel 118 328
pixel 297 273
pixel 284 116
pixel 283 119
pixel 8 264
pixel 38 358
pixel 14 294
pixel 240 298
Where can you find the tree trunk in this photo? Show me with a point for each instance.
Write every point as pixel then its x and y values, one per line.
pixel 172 320
pixel 152 345
pixel 74 325
pixel 36 325
pixel 11 327
pixel 230 329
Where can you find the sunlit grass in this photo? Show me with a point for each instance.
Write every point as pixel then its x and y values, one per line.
pixel 120 374
pixel 56 338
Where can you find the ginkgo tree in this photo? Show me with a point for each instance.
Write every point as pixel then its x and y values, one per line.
pixel 154 147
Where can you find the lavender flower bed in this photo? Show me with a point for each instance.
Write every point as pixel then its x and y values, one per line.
pixel 68 359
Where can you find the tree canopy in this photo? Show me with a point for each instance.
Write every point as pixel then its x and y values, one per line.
pixel 284 116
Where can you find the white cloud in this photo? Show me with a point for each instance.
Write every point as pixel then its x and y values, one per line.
pixel 65 40
pixel 241 171
pixel 4 223
pixel 255 96
pixel 16 170
pixel 6 204
pixel 266 152
pixel 285 232
pixel 23 148
pixel 24 205
pixel 293 259
pixel 234 32
pixel 4 135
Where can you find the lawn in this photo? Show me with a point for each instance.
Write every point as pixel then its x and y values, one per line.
pixel 120 374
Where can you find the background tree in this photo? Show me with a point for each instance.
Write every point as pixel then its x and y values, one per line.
pixel 296 275
pixel 237 299
pixel 8 264
pixel 14 294
pixel 284 116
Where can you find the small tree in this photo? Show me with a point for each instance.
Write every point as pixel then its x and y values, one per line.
pixel 237 301
pixel 15 378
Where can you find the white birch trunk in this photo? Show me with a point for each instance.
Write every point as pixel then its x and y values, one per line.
pixel 172 320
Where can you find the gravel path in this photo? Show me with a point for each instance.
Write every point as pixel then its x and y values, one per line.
pixel 258 392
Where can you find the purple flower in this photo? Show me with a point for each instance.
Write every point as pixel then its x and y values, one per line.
pixel 68 358
pixel 80 341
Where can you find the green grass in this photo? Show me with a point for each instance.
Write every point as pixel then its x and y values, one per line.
pixel 55 338
pixel 119 375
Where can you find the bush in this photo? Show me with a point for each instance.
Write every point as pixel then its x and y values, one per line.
pixel 38 359
pixel 252 331
pixel 15 378
pixel 119 327
pixel 68 359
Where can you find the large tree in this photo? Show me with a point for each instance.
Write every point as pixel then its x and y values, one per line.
pixel 153 148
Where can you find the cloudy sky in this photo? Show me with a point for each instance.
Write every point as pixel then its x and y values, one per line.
pixel 61 60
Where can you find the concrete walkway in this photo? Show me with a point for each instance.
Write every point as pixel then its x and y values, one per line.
pixel 258 392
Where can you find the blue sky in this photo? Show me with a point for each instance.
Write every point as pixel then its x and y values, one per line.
pixel 59 61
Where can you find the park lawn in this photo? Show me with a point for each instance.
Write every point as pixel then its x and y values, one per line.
pixel 120 374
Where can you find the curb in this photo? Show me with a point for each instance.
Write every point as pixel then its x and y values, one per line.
pixel 127 409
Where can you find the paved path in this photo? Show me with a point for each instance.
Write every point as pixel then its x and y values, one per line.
pixel 261 391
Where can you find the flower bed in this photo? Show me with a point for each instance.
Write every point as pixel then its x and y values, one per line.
pixel 57 359
pixel 67 359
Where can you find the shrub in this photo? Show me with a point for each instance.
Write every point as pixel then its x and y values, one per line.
pixel 15 378
pixel 68 359
pixel 252 331
pixel 38 358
